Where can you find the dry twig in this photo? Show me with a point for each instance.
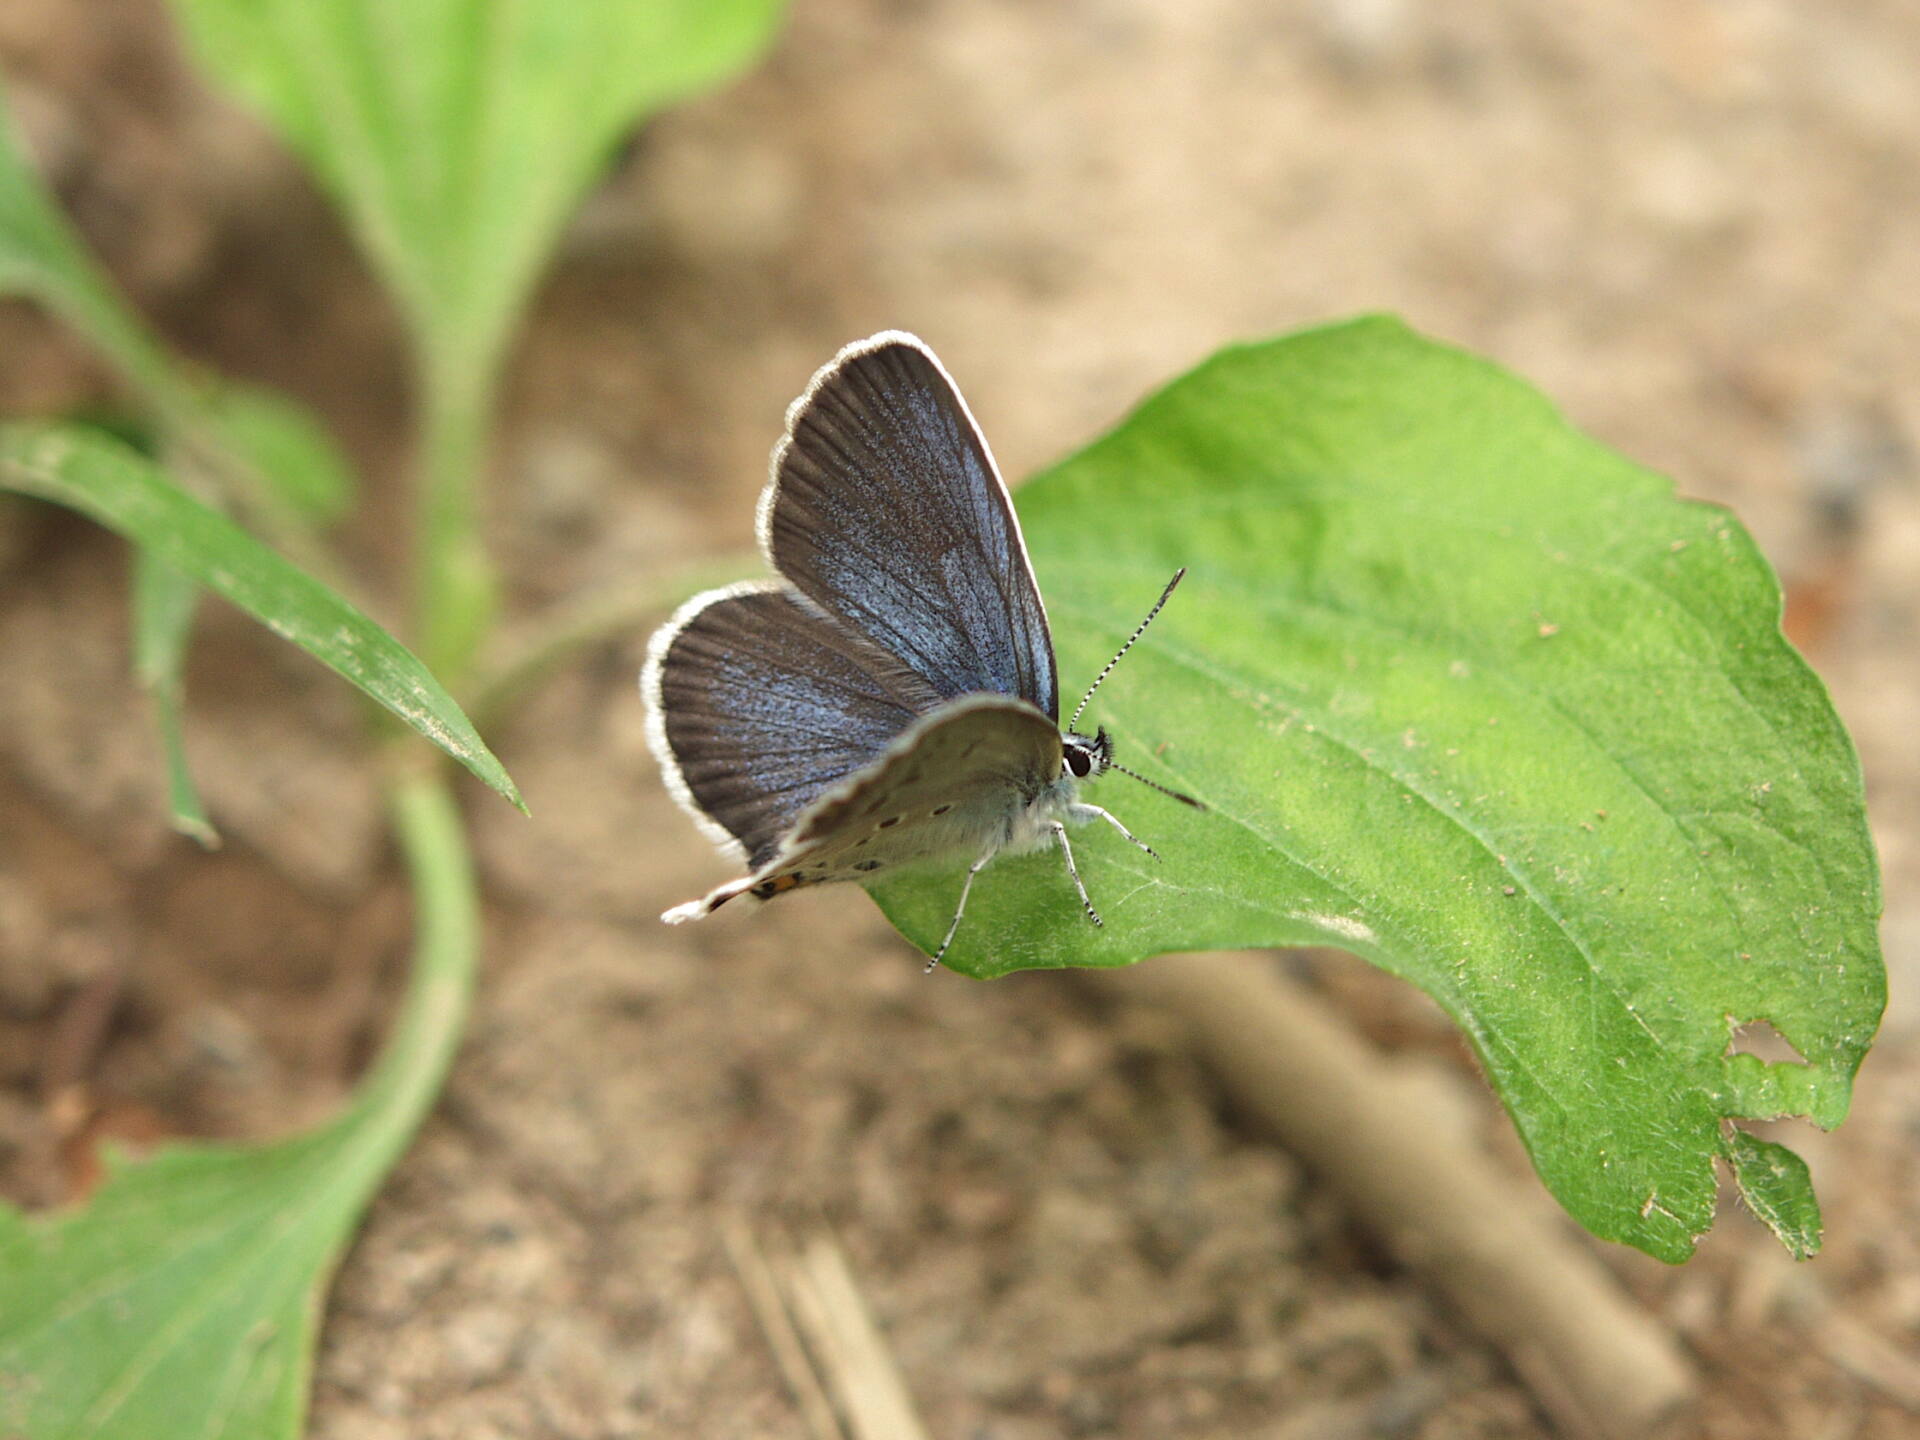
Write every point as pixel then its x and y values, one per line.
pixel 1593 1358
pixel 809 1295
pixel 763 1293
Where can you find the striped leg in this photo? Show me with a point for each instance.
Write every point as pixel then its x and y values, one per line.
pixel 1081 813
pixel 958 910
pixel 1060 834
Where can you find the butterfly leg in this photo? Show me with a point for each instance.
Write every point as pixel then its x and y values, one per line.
pixel 1080 813
pixel 958 910
pixel 1060 834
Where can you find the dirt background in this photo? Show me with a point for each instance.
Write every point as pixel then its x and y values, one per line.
pixel 1697 225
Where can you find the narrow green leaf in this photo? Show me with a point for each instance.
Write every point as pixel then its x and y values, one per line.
pixel 184 1299
pixel 127 494
pixel 1778 1188
pixel 163 604
pixel 42 259
pixel 458 135
pixel 276 444
pixel 1479 700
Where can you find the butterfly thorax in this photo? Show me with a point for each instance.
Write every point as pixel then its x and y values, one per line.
pixel 1082 758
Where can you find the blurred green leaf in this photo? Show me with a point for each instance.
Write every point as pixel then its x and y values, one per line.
pixel 276 445
pixel 127 494
pixel 42 259
pixel 163 604
pixel 283 443
pixel 1479 700
pixel 458 135
pixel 183 1301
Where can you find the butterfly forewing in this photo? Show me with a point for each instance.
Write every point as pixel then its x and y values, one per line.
pixel 760 704
pixel 885 508
pixel 947 785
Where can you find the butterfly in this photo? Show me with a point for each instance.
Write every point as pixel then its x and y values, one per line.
pixel 890 698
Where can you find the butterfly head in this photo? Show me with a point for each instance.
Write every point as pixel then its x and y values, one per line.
pixel 1086 758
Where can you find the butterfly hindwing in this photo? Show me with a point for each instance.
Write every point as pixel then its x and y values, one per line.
pixel 947 785
pixel 758 704
pixel 886 509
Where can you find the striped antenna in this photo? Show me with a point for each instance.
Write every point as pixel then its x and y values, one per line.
pixel 1177 575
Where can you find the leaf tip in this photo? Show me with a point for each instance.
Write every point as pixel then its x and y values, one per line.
pixel 197 829
pixel 503 786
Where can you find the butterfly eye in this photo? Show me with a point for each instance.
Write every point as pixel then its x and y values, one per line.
pixel 1079 762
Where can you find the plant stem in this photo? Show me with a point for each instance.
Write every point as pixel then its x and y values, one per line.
pixel 528 652
pixel 1387 1139
pixel 388 1106
pixel 404 1081
pixel 453 578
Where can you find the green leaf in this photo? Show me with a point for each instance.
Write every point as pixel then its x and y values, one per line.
pixel 1479 700
pixel 127 494
pixel 283 443
pixel 183 1300
pixel 1778 1188
pixel 42 259
pixel 163 606
pixel 259 440
pixel 458 135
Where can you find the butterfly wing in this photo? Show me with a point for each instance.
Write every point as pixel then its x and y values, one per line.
pixel 956 775
pixel 950 783
pixel 885 508
pixel 757 704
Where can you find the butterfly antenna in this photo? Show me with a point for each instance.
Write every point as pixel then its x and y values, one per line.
pixel 1156 785
pixel 1177 576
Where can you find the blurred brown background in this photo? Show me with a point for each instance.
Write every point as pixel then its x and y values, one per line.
pixel 1695 224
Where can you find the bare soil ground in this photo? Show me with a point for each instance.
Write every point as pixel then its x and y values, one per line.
pixel 1697 225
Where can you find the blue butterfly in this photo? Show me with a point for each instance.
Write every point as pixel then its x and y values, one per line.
pixel 891 698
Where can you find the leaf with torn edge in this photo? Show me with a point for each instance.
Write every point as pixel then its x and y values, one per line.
pixel 1479 700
